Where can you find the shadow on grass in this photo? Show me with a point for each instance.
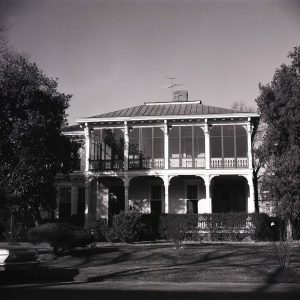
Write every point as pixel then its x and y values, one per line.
pixel 37 275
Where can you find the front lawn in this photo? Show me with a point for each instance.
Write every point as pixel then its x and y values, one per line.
pixel 216 262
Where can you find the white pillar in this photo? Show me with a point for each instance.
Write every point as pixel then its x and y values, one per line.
pixel 166 144
pixel 126 194
pixel 208 206
pixel 249 133
pixel 87 210
pixel 251 204
pixel 74 200
pixel 126 146
pixel 87 147
pixel 166 185
pixel 207 146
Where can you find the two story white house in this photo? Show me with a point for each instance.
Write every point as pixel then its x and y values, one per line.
pixel 179 156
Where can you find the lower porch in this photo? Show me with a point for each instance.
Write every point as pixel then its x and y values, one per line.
pixel 103 197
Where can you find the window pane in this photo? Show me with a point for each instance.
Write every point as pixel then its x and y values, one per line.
pixel 240 131
pixel 198 131
pixel 215 130
pixel 146 133
pixel 134 133
pixel 228 130
pixel 241 141
pixel 241 146
pixel 147 148
pixel 186 131
pixel 199 142
pixel 174 132
pixel 186 147
pixel 158 148
pixel 174 147
pixel 228 143
pixel 215 147
pixel 158 132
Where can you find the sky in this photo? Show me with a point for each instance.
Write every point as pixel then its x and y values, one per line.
pixel 113 54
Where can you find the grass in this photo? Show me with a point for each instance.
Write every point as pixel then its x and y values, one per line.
pixel 217 262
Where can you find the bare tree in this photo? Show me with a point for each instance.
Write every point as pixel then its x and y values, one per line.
pixel 242 107
pixel 3 38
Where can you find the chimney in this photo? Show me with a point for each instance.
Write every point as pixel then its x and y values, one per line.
pixel 181 95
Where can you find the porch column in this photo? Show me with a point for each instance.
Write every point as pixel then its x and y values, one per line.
pixel 74 200
pixel 251 204
pixel 166 185
pixel 126 193
pixel 208 207
pixel 207 145
pixel 166 144
pixel 87 147
pixel 249 133
pixel 87 210
pixel 126 146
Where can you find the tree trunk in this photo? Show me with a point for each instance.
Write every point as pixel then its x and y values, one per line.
pixel 289 230
pixel 255 187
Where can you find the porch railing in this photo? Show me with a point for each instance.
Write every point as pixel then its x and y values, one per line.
pixel 187 162
pixel 156 163
pixel 229 162
pixel 102 165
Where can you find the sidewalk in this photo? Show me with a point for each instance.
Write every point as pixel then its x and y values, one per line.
pixel 151 290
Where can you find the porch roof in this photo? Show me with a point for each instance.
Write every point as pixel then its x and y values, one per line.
pixel 159 109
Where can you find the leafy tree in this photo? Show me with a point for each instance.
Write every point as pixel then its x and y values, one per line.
pixel 32 146
pixel 279 105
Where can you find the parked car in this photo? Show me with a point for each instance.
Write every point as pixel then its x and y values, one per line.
pixel 17 258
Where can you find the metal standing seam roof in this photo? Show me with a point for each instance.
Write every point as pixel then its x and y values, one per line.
pixel 166 109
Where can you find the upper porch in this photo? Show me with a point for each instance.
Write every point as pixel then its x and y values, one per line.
pixel 169 135
pixel 175 144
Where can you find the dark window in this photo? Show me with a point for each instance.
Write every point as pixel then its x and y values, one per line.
pixel 156 207
pixel 65 203
pixel 191 192
pixel 192 206
pixel 81 201
pixel 156 191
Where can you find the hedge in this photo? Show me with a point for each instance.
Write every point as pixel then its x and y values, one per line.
pixel 133 227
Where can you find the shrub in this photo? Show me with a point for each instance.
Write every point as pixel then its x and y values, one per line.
pixel 60 236
pixel 176 227
pixel 126 227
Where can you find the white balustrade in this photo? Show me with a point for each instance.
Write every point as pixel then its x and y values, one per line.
pixel 200 162
pixel 216 162
pixel 158 163
pixel 187 163
pixel 174 162
pixel 229 162
pixel 242 162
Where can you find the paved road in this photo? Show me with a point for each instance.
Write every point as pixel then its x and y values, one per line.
pixel 150 290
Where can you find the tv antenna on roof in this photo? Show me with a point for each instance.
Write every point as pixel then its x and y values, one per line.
pixel 172 84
